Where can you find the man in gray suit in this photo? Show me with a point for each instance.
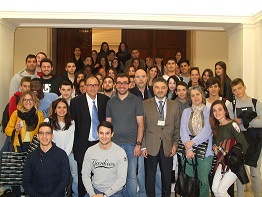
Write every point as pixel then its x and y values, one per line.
pixel 162 124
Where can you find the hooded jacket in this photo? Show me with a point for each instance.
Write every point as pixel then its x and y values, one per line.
pixel 16 80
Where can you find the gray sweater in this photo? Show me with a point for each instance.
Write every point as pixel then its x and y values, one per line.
pixel 109 168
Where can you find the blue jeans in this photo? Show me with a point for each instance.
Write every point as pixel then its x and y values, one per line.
pixel 141 177
pixel 130 189
pixel 73 170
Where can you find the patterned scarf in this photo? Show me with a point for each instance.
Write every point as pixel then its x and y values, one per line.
pixel 196 121
pixel 30 118
pixel 223 149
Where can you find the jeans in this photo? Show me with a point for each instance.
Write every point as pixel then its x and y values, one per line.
pixel 130 189
pixel 221 182
pixel 255 177
pixel 141 177
pixel 73 170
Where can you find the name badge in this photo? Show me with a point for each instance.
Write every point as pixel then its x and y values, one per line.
pixel 161 123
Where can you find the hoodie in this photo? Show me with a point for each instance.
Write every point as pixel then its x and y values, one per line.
pixel 16 80
pixel 12 103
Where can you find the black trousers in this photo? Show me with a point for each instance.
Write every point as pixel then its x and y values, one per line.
pixel 81 187
pixel 166 165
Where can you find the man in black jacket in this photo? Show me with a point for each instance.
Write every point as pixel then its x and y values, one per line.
pixel 82 112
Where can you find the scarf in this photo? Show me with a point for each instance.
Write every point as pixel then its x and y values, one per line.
pixel 30 118
pixel 224 147
pixel 196 121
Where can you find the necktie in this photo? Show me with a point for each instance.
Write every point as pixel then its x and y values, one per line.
pixel 161 110
pixel 95 121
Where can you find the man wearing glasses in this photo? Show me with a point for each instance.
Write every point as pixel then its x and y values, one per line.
pixel 46 171
pixel 87 110
pixel 125 112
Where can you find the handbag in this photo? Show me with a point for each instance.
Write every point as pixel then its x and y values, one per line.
pixel 8 193
pixel 187 186
pixel 12 163
pixel 199 151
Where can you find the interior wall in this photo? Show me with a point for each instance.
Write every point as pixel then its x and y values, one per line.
pixel 111 36
pixel 6 66
pixel 210 47
pixel 29 41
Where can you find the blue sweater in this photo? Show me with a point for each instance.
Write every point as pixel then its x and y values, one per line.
pixel 46 174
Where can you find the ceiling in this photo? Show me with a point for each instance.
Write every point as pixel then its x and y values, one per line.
pixel 176 15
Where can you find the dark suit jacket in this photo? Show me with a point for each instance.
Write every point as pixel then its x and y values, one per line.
pixel 148 91
pixel 154 134
pixel 81 115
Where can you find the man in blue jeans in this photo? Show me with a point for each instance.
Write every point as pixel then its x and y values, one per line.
pixel 125 112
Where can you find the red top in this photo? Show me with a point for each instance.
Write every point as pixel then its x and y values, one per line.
pixel 12 103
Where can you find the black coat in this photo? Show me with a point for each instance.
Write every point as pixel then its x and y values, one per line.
pixel 81 115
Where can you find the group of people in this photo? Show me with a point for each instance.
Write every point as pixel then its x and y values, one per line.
pixel 112 124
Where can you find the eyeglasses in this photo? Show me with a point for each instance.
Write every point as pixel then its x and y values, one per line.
pixel 44 133
pixel 27 100
pixel 141 77
pixel 92 85
pixel 120 83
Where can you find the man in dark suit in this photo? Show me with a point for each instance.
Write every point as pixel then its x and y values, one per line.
pixel 162 124
pixel 82 111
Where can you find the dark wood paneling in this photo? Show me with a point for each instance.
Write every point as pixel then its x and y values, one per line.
pixel 67 40
pixel 152 42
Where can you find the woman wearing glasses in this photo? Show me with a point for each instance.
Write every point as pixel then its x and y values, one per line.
pixel 63 130
pixel 24 122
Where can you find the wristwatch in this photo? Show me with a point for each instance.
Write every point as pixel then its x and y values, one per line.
pixel 138 143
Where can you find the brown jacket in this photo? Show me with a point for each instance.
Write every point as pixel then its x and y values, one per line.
pixel 154 134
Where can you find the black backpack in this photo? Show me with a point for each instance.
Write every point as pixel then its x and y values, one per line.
pixel 5 117
pixel 254 138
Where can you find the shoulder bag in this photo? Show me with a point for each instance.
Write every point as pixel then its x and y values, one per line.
pixel 187 186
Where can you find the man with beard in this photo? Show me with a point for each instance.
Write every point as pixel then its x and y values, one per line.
pixel 162 126
pixel 122 110
pixel 45 98
pixel 108 86
pixel 51 83
pixel 29 71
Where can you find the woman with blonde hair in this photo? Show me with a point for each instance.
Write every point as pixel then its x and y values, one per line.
pixel 24 122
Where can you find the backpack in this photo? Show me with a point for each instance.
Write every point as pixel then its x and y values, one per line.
pixel 5 117
pixel 254 138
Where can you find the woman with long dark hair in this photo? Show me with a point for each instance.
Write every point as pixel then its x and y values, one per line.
pixel 226 133
pixel 103 63
pixel 207 73
pixel 123 53
pixel 104 49
pixel 221 73
pixel 172 83
pixel 63 130
pixel 152 73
